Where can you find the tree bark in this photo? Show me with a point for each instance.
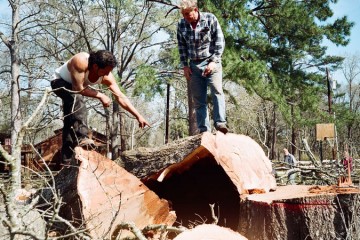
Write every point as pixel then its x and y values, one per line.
pixel 273 137
pixel 143 162
pixel 97 195
pixel 192 115
pixel 15 96
pixel 300 212
pixel 116 131
pixel 293 132
pixel 202 170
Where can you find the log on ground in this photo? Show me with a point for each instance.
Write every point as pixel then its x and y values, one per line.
pixel 99 195
pixel 143 162
pixel 217 171
pixel 110 195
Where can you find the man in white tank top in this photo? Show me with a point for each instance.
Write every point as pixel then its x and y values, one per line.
pixel 71 82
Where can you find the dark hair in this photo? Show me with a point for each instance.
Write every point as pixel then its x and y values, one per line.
pixel 102 58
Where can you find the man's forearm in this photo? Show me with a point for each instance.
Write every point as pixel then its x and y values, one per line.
pixel 89 92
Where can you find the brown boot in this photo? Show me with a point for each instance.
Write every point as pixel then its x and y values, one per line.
pixel 222 128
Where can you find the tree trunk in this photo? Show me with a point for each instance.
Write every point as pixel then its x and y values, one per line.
pixel 123 135
pixel 97 195
pixel 30 220
pixel 300 212
pixel 116 137
pixel 108 133
pixel 293 132
pixel 273 142
pixel 13 45
pixel 201 170
pixel 167 113
pixel 192 115
pixel 230 171
pixel 143 162
pixel 209 231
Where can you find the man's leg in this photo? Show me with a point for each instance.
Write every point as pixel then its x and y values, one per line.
pixel 199 93
pixel 218 98
pixel 75 118
pixel 79 117
pixel 79 124
pixel 60 88
pixel 67 149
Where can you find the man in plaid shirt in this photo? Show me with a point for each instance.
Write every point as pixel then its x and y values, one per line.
pixel 201 44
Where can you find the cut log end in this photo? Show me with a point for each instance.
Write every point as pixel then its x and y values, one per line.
pixel 299 212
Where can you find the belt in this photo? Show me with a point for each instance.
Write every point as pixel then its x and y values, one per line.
pixel 198 60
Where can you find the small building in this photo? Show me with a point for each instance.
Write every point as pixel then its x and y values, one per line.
pixel 46 152
pixel 49 150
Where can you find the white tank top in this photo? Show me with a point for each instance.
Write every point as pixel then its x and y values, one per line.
pixel 64 73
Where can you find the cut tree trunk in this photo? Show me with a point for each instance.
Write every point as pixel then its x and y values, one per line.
pixel 227 176
pixel 28 219
pixel 143 162
pixel 202 170
pixel 233 172
pixel 301 212
pixel 99 195
pixel 243 160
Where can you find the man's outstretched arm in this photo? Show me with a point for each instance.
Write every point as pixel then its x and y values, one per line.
pixel 124 102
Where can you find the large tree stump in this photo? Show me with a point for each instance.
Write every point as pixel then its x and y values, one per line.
pixel 299 212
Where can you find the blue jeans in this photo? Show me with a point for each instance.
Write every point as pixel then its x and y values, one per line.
pixel 199 84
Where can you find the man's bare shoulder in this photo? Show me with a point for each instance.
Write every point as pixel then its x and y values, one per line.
pixel 79 62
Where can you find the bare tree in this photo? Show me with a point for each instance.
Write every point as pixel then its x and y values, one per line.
pixel 12 43
pixel 351 72
pixel 131 30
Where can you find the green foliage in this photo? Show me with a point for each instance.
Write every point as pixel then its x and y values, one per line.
pixel 274 49
pixel 147 83
pixel 339 31
pixel 179 129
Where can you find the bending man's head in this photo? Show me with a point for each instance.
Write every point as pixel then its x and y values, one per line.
pixel 102 59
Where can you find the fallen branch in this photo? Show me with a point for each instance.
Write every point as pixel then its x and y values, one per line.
pixel 128 226
pixel 311 156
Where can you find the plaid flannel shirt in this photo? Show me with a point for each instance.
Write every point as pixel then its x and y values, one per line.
pixel 206 41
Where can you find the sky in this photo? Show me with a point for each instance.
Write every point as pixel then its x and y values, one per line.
pixel 350 8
